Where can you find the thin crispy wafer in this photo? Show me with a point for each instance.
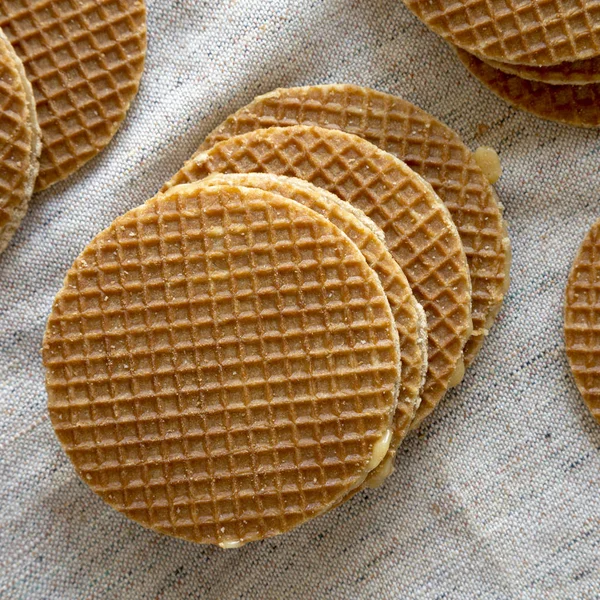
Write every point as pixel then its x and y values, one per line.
pixel 222 364
pixel 577 105
pixel 528 32
pixel 84 59
pixel 582 320
pixel 19 142
pixel 428 147
pixel 578 72
pixel 408 314
pixel 419 231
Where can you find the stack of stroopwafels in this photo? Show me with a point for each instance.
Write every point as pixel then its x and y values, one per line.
pixel 542 56
pixel 69 71
pixel 248 349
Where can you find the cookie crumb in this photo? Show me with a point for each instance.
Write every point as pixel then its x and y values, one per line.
pixel 482 129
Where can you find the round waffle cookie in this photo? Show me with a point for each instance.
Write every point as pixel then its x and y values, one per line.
pixel 528 32
pixel 579 72
pixel 582 320
pixel 428 147
pixel 408 314
pixel 19 142
pixel 84 59
pixel 577 105
pixel 222 364
pixel 418 229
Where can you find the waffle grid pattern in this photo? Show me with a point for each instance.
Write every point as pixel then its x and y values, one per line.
pixel 578 72
pixel 16 147
pixel 426 146
pixel 219 365
pixel 531 32
pixel 416 225
pixel 582 320
pixel 84 59
pixel 378 257
pixel 577 105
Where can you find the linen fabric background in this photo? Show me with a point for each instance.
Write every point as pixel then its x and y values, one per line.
pixel 496 496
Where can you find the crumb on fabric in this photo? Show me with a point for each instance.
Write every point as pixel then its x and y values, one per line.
pixel 482 129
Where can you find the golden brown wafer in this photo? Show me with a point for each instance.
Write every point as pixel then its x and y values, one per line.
pixel 428 147
pixel 578 72
pixel 408 314
pixel 577 105
pixel 84 60
pixel 222 364
pixel 528 32
pixel 19 142
pixel 419 231
pixel 582 320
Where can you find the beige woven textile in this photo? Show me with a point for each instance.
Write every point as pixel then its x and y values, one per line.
pixel 496 496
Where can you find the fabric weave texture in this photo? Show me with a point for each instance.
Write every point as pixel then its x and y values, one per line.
pixel 495 496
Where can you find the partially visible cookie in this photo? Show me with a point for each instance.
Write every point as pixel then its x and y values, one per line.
pixel 84 60
pixel 577 105
pixel 582 320
pixel 578 72
pixel 19 141
pixel 528 32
